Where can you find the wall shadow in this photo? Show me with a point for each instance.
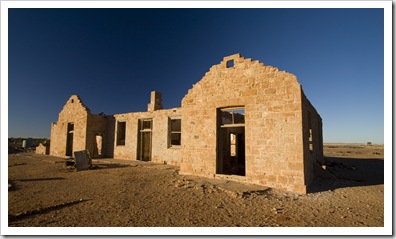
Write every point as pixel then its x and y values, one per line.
pixel 16 164
pixel 39 179
pixel 12 186
pixel 20 216
pixel 109 166
pixel 348 172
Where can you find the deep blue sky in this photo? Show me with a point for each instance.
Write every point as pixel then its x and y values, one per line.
pixel 113 58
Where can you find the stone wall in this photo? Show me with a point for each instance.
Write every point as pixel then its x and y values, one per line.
pixel 161 151
pixel 88 130
pixel 43 149
pixel 97 128
pixel 108 141
pixel 272 101
pixel 312 138
pixel 74 112
pixel 282 131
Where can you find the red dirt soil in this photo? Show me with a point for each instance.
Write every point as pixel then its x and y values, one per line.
pixel 43 192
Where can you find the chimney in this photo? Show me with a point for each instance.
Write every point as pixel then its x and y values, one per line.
pixel 155 101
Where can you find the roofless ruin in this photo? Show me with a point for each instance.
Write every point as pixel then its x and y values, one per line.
pixel 242 121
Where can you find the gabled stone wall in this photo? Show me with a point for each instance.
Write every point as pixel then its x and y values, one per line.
pixel 74 112
pixel 272 101
pixel 85 128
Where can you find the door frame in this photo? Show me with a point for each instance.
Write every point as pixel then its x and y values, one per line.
pixel 233 122
pixel 142 129
pixel 69 139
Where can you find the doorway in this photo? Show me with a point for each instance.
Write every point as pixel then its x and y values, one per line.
pixel 144 139
pixel 69 139
pixel 98 144
pixel 231 141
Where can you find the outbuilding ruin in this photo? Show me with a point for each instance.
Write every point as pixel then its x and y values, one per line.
pixel 43 148
pixel 242 121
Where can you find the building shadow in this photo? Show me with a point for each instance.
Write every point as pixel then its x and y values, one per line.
pixel 340 172
pixel 109 166
pixel 20 216
pixel 39 179
pixel 12 186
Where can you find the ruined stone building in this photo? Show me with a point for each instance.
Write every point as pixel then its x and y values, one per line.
pixel 43 148
pixel 243 121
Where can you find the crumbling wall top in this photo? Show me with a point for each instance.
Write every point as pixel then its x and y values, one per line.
pixel 74 107
pixel 74 101
pixel 246 73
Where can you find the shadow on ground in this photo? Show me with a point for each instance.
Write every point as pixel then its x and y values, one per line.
pixel 39 179
pixel 109 166
pixel 348 172
pixel 12 186
pixel 25 214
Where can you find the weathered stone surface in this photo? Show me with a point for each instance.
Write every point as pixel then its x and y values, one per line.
pixel 282 130
pixel 43 148
pixel 276 128
pixel 84 130
pixel 161 150
pixel 83 160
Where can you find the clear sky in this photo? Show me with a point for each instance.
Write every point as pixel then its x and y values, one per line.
pixel 113 58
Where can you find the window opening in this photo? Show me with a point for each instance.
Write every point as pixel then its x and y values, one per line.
pixel 230 63
pixel 121 127
pixel 175 132
pixel 98 145
pixel 146 124
pixel 233 145
pixel 70 128
pixel 310 137
pixel 232 117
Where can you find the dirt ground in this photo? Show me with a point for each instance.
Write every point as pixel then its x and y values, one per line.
pixel 43 192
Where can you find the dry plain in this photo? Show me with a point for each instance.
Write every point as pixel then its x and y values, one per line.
pixel 43 192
